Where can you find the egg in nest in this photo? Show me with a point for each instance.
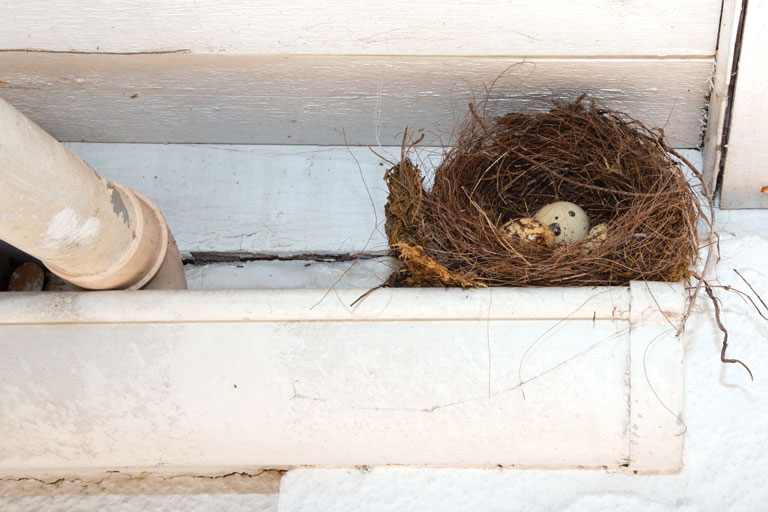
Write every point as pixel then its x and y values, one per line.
pixel 530 230
pixel 567 220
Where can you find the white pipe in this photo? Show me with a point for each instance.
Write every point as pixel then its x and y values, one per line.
pixel 92 232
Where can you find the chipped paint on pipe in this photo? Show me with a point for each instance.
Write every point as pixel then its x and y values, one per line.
pixel 88 230
pixel 118 206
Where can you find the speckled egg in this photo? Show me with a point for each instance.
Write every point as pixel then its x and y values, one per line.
pixel 599 233
pixel 530 230
pixel 567 220
pixel 596 237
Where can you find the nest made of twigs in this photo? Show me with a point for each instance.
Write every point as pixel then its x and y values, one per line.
pixel 500 168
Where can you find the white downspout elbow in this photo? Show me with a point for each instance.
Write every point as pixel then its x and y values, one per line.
pixel 92 232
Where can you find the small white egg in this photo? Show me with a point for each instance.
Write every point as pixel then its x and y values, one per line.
pixel 530 230
pixel 568 221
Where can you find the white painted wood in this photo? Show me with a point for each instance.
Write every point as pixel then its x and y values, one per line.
pixel 363 273
pixel 314 305
pixel 320 393
pixel 429 27
pixel 281 200
pixel 329 100
pixel 246 378
pixel 277 200
pixel 745 173
pixel 656 377
pixel 721 81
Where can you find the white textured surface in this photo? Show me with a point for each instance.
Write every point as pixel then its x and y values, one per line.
pixel 281 200
pixel 429 27
pixel 319 305
pixel 330 100
pixel 263 378
pixel 718 99
pixel 742 223
pixel 725 451
pixel 320 394
pixel 656 377
pixel 364 273
pixel 744 174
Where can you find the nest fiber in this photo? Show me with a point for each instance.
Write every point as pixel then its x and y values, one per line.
pixel 501 168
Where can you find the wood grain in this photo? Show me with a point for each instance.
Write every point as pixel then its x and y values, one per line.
pixel 270 274
pixel 267 200
pixel 399 27
pixel 328 100
pixel 274 200
pixel 721 82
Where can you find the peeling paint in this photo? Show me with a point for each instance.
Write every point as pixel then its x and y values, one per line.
pixel 118 206
pixel 66 229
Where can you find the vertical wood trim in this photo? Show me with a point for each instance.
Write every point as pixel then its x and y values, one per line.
pixel 721 81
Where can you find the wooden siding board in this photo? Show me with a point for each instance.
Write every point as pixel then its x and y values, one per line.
pixel 328 100
pixel 271 200
pixel 399 27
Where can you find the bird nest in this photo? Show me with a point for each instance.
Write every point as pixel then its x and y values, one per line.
pixel 449 231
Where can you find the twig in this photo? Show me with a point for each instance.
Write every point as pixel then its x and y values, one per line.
pixel 716 303
pixel 366 294
pixel 712 239
pixel 753 290
pixel 743 296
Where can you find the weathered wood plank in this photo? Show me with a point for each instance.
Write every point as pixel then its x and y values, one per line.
pixel 721 82
pixel 281 200
pixel 745 175
pixel 327 100
pixel 428 27
pixel 268 274
pixel 276 200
